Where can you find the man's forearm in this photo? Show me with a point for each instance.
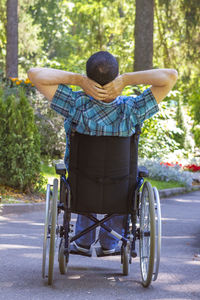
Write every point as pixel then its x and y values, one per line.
pixel 46 76
pixel 156 77
pixel 47 80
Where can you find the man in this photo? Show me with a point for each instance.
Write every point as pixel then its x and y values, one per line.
pixel 100 110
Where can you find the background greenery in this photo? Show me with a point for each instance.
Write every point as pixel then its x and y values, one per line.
pixel 63 34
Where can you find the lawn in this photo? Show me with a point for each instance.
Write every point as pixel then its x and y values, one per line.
pixel 161 185
pixel 48 171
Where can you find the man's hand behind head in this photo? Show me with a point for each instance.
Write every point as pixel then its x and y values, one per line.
pixel 114 88
pixel 93 89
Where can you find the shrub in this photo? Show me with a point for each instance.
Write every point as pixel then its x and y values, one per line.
pixel 19 141
pixel 50 125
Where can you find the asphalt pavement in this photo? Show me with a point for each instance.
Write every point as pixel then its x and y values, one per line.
pixel 21 237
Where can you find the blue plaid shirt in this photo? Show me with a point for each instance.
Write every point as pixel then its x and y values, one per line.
pixel 89 116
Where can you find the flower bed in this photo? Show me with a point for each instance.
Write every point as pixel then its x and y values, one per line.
pixel 165 171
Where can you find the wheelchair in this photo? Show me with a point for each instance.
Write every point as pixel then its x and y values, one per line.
pixel 103 178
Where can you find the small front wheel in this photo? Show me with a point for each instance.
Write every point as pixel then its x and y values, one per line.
pixel 126 259
pixel 62 258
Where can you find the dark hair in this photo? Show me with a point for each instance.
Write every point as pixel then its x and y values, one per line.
pixel 102 67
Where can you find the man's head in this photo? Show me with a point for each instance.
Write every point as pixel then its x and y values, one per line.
pixel 102 67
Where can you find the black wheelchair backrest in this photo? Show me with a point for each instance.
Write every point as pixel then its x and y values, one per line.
pixel 103 173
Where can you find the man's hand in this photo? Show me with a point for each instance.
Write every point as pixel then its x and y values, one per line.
pixel 114 88
pixel 93 89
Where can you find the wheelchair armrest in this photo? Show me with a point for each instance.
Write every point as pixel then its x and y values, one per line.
pixel 60 169
pixel 143 172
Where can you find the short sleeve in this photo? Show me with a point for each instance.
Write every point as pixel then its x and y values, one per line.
pixel 146 105
pixel 63 101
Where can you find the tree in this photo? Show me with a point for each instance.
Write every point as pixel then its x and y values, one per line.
pixel 143 54
pixel 12 39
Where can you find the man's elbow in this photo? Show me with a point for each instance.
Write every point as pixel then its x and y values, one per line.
pixel 32 74
pixel 173 75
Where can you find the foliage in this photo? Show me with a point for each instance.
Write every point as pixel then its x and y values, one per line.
pixel 20 143
pixel 72 31
pixel 50 126
pixel 2 33
pixel 180 136
pixel 194 101
pixel 158 132
pixel 63 34
pixel 49 123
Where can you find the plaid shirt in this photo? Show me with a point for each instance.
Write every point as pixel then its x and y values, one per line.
pixel 89 116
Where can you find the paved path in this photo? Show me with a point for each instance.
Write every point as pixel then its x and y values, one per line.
pixel 100 278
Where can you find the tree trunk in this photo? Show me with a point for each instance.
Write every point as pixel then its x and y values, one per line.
pixel 12 39
pixel 143 55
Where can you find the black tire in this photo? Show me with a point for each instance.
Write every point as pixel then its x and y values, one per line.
pixel 53 231
pixel 62 258
pixel 126 259
pixel 147 234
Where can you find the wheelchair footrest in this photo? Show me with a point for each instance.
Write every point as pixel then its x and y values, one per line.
pixel 101 253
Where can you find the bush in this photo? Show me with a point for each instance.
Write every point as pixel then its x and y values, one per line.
pixel 50 125
pixel 19 142
pixel 196 131
pixel 157 138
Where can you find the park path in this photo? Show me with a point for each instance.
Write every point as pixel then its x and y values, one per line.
pixel 100 278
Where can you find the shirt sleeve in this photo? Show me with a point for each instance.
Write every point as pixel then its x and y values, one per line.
pixel 63 101
pixel 145 105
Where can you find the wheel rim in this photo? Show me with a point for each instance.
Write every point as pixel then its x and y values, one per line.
pixel 145 240
pixel 147 234
pixel 53 231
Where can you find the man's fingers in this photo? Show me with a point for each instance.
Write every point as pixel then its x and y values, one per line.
pixel 101 91
pixel 108 86
pixel 94 83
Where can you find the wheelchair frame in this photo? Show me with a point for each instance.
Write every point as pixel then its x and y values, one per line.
pixel 144 224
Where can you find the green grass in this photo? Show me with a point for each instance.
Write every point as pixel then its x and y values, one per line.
pixel 48 171
pixel 161 185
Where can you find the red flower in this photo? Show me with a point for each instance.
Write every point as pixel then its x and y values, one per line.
pixel 192 168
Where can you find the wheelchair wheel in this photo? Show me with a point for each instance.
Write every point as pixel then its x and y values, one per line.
pixel 53 231
pixel 50 231
pixel 126 259
pixel 147 234
pixel 46 231
pixel 158 233
pixel 62 258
